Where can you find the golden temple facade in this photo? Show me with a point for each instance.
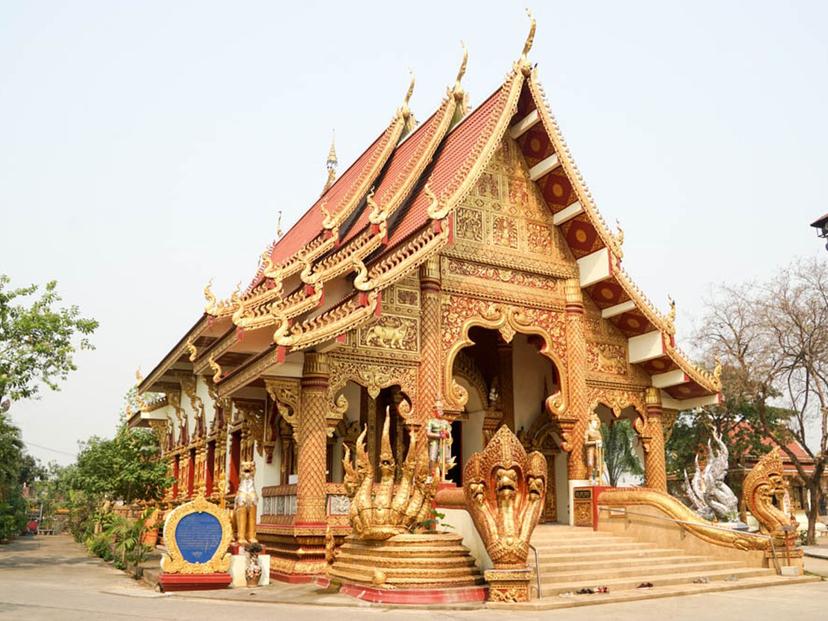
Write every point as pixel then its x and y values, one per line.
pixel 459 263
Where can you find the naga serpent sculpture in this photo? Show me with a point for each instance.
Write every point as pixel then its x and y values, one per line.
pixel 711 497
pixel 379 512
pixel 505 490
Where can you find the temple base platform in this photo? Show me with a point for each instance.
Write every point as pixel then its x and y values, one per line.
pixel 408 569
pixel 193 582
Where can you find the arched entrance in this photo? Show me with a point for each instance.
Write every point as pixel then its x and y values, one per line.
pixel 508 382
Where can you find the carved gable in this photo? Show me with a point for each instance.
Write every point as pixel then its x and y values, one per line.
pixel 504 219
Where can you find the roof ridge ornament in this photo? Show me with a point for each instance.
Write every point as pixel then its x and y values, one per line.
pixel 459 94
pixel 619 239
pixel 525 67
pixel 192 349
pixel 405 110
pixel 435 211
pixel 279 232
pixel 670 318
pixel 209 296
pixel 330 165
pixel 217 372
pixel 377 215
pixel 328 223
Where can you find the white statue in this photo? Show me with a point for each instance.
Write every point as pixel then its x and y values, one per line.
pixel 712 499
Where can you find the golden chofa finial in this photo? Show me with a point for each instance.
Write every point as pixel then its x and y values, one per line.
pixel 279 231
pixel 525 67
pixel 462 71
pixel 405 110
pixel 671 314
pixel 138 376
pixel 460 96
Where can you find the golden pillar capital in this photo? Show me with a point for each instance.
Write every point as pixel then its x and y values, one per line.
pixel 316 365
pixel 572 293
pixel 652 397
pixel 430 272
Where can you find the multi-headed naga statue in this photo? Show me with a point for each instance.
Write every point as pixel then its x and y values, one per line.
pixel 379 511
pixel 505 490
pixel 711 497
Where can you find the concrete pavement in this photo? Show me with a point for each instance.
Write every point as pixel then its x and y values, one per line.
pixel 51 578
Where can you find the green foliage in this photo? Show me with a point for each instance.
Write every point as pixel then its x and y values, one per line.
pixel 37 339
pixel 16 467
pixel 126 467
pixel 430 523
pixel 120 539
pixel 619 451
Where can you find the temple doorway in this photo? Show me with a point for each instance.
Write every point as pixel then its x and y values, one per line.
pixel 507 384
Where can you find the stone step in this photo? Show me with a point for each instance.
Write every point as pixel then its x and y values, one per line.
pixel 605 555
pixel 554 586
pixel 397 552
pixel 577 540
pixel 356 556
pixel 411 578
pixel 631 570
pixel 610 546
pixel 554 602
pixel 576 563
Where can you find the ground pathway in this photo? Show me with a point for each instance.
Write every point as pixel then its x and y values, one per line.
pixel 51 578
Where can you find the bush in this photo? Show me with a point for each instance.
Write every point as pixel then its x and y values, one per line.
pixel 120 539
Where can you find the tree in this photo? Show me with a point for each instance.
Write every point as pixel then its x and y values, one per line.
pixel 772 340
pixel 16 467
pixel 37 340
pixel 619 453
pixel 125 468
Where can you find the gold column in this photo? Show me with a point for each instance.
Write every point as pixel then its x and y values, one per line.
pixel 183 474
pixel 576 365
pixel 507 390
pixel 655 466
pixel 431 359
pixel 310 491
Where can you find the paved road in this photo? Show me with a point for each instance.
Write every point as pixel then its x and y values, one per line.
pixel 51 578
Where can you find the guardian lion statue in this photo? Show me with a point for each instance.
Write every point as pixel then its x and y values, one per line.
pixel 244 507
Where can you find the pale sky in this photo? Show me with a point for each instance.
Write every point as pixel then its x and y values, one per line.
pixel 147 146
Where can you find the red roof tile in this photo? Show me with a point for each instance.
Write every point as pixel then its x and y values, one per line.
pixel 408 159
pixel 361 173
pixel 459 151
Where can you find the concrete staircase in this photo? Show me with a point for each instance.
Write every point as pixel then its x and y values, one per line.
pixel 573 558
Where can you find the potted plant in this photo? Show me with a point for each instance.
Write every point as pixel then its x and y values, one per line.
pixel 253 572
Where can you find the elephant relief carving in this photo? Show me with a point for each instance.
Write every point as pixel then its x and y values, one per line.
pixel 505 491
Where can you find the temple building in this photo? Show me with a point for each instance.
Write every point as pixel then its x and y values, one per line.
pixel 459 264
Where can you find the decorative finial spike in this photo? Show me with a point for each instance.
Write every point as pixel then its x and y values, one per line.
pixel 330 164
pixel 410 87
pixel 462 71
pixel 527 45
pixel 279 231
